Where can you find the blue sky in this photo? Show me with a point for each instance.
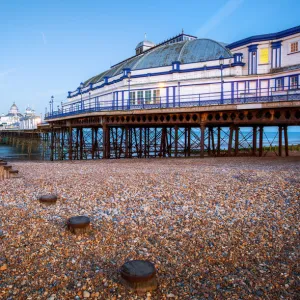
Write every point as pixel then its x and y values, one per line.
pixel 49 47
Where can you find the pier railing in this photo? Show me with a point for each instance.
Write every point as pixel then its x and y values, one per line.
pixel 96 104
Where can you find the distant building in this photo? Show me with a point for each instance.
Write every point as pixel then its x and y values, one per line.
pixel 29 120
pixel 12 119
pixel 15 120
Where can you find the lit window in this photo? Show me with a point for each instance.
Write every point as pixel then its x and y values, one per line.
pixel 156 96
pixel 294 82
pixel 279 84
pixel 139 97
pixel 147 97
pixel 132 97
pixel 294 47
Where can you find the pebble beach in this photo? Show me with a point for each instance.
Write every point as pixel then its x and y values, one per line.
pixel 215 228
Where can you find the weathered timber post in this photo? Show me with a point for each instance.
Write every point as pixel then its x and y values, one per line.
pixel 286 141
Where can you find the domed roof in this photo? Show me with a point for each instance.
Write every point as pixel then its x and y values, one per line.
pixel 190 51
pixel 145 43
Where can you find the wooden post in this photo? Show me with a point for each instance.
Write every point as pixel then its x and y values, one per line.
pixel 261 135
pixel 236 148
pixel 254 140
pixel 286 142
pixel 202 128
pixel 280 141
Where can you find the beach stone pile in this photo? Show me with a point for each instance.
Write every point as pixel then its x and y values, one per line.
pixel 218 228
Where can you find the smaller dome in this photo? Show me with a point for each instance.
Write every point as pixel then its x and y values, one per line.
pixel 145 43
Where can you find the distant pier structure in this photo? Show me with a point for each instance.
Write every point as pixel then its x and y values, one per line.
pixel 186 96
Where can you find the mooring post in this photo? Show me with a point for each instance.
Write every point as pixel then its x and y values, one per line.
pixel 202 129
pixel 261 135
pixel 254 139
pixel 280 140
pixel 236 147
pixel 286 141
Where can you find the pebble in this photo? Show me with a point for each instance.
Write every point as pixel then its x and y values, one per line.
pixel 214 228
pixel 86 294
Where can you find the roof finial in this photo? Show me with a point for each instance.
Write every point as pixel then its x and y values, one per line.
pixel 182 31
pixel 145 36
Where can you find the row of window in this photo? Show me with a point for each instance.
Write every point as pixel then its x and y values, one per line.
pixel 146 97
pixel 294 84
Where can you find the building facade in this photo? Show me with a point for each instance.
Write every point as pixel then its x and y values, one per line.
pixel 15 120
pixel 186 70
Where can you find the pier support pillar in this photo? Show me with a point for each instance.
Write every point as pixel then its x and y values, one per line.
pixel 176 141
pixel 261 137
pixel 280 140
pixel 236 146
pixel 286 141
pixel 202 129
pixel 254 139
pixel 230 140
pixel 219 141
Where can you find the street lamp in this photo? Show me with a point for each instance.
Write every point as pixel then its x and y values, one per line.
pixel 90 100
pixel 221 63
pixel 129 76
pixel 51 104
pixel 81 87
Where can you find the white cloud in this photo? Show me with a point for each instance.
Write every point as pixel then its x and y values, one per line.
pixel 224 12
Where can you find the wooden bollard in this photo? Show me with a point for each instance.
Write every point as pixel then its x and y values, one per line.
pixel 48 199
pixel 139 275
pixel 78 224
pixel 13 173
pixel 6 171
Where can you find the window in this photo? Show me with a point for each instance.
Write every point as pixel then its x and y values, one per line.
pixel 147 97
pixel 294 47
pixel 132 97
pixel 279 84
pixel 294 82
pixel 140 97
pixel 156 96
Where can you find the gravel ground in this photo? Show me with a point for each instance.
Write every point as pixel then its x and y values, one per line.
pixel 216 228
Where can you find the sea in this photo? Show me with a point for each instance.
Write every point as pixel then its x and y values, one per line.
pixel 13 153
